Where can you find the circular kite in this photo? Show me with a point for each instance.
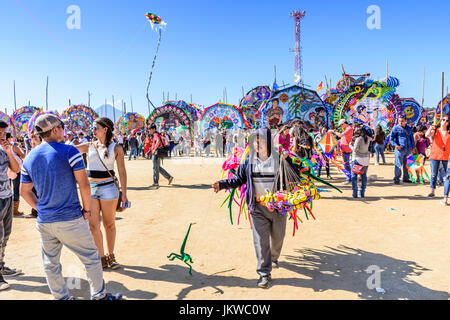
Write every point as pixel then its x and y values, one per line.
pixel 170 117
pixel 7 119
pixel 412 110
pixel 221 116
pixel 445 108
pixel 294 103
pixel 371 104
pixel 345 83
pixel 21 117
pixel 130 121
pixel 80 118
pixel 252 102
pixel 191 109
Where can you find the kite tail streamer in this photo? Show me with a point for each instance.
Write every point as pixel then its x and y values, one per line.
pixel 230 204
pixel 153 65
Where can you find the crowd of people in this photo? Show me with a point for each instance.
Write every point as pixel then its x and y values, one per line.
pixel 46 167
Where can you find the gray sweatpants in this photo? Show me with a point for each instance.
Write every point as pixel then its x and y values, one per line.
pixel 6 218
pixel 269 229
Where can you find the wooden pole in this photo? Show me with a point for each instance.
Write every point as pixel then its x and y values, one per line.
pixel 442 101
pixel 131 99
pixel 275 72
pixel 387 70
pixel 114 110
pixel 326 81
pixel 423 86
pixel 46 96
pixel 15 105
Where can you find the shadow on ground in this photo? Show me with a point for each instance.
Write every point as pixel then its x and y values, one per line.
pixel 341 268
pixel 344 268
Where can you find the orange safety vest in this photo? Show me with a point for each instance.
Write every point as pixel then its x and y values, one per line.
pixel 440 149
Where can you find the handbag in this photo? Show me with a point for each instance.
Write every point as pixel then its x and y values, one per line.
pixel 118 207
pixel 358 169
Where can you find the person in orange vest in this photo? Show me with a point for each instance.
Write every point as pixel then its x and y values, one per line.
pixel 440 149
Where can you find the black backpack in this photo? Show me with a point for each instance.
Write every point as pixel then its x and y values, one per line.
pixel 163 150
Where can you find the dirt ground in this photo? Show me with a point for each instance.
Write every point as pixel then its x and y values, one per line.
pixel 395 229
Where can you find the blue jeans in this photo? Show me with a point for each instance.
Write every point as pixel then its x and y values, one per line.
pixel 400 163
pixel 157 169
pixel 379 150
pixel 447 184
pixel 347 163
pixel 77 237
pixel 362 190
pixel 134 152
pixel 6 219
pixel 435 171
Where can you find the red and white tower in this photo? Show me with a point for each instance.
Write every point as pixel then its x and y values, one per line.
pixel 298 75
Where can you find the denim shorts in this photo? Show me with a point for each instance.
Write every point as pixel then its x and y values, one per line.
pixel 104 192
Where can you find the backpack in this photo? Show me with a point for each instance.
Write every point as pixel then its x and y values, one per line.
pixel 163 150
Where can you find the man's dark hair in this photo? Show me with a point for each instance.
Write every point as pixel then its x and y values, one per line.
pixel 44 135
pixel 3 124
pixel 153 127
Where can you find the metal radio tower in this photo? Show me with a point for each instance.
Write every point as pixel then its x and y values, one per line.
pixel 298 75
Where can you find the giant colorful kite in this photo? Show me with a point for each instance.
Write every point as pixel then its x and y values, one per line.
pixel 169 117
pixel 222 116
pixel 445 108
pixel 7 119
pixel 294 103
pixel 21 117
pixel 80 117
pixel 412 110
pixel 130 121
pixel 371 103
pixel 252 102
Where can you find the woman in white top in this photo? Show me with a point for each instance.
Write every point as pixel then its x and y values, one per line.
pixel 104 193
pixel 360 156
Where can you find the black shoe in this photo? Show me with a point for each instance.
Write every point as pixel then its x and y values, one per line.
pixel 431 195
pixel 263 281
pixel 6 271
pixel 3 284
pixel 407 181
pixel 396 182
pixel 110 296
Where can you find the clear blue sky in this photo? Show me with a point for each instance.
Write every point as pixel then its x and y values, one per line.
pixel 210 45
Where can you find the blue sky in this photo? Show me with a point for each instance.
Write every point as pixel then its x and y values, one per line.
pixel 211 45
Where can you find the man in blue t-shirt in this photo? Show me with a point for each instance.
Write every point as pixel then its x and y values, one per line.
pixel 54 169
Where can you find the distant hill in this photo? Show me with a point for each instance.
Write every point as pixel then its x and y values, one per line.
pixel 107 110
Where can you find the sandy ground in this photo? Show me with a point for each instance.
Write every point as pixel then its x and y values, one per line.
pixel 395 228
